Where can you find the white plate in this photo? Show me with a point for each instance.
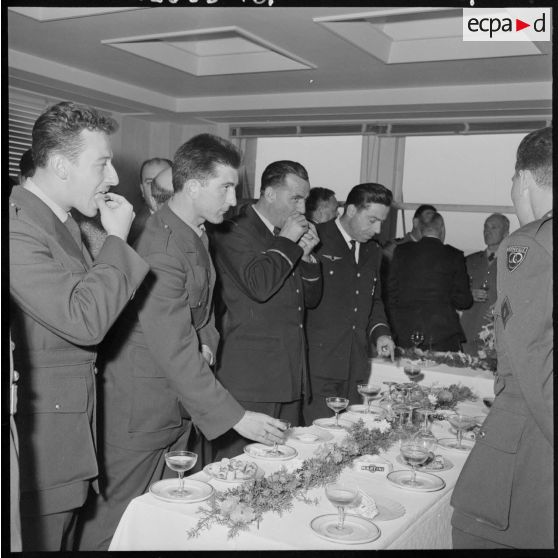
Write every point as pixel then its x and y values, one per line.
pixel 427 466
pixel 375 411
pixel 209 470
pixel 309 435
pixel 426 482
pixel 261 451
pixel 329 423
pixel 363 530
pixel 451 443
pixel 197 491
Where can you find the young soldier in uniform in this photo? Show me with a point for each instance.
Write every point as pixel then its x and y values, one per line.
pixel 504 495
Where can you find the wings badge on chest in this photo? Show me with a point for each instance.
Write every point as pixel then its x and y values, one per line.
pixel 331 258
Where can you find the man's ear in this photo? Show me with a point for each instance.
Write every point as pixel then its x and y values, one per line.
pixel 351 211
pixel 192 187
pixel 59 165
pixel 270 194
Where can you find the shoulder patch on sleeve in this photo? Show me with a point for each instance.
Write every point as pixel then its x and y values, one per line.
pixel 515 256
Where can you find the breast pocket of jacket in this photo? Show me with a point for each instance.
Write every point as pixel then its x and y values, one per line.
pixel 485 485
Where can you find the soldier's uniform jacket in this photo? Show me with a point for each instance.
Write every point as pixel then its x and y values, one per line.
pixel 156 378
pixel 505 491
pixel 62 306
pixel 472 319
pixel 265 287
pixel 350 311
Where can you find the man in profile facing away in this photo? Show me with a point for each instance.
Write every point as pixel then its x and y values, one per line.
pixel 504 496
pixel 321 205
pixel 63 304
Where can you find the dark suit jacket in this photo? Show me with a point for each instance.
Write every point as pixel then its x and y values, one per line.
pixel 427 283
pixel 505 492
pixel 63 307
pixel 350 309
pixel 265 287
pixel 155 375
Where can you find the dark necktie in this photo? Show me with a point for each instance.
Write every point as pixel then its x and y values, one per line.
pixel 353 249
pixel 491 257
pixel 276 231
pixel 73 227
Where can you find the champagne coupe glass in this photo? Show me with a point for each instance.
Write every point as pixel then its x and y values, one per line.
pixel 461 423
pixel 417 338
pixel 414 452
pixel 337 404
pixel 341 495
pixel 180 461
pixel 368 392
pixel 285 424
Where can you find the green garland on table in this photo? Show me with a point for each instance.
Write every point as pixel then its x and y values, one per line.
pixel 455 359
pixel 240 507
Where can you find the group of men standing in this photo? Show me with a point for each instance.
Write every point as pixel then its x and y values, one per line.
pixel 163 365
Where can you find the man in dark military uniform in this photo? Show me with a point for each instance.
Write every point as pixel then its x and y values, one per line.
pixel 504 495
pixel 481 267
pixel 268 277
pixel 350 314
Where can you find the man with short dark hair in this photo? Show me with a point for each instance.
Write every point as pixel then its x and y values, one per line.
pixel 150 168
pixel 482 267
pixel 321 205
pixel 427 284
pixel 504 496
pixel 268 277
pixel 157 375
pixel 26 166
pixel 422 215
pixel 63 304
pixel 350 315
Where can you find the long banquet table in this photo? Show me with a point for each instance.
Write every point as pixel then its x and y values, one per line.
pixel 152 524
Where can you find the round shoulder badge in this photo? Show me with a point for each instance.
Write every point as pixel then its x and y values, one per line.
pixel 515 256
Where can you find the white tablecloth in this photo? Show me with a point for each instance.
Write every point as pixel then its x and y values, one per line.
pixel 151 524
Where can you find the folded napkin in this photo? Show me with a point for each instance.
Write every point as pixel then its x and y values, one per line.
pixel 364 506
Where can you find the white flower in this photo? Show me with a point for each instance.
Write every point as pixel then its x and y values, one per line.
pixel 433 399
pixel 383 426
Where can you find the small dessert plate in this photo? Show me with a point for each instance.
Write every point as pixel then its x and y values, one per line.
pixel 261 451
pixel 361 530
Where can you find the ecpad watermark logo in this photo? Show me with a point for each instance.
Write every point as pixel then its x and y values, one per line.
pixel 507 24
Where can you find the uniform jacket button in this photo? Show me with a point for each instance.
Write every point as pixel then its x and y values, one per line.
pixel 58 406
pixel 482 434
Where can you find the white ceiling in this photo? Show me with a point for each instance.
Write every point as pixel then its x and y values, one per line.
pixel 259 65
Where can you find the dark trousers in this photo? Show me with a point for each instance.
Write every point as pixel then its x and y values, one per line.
pixel 127 474
pixel 51 533
pixel 358 373
pixel 232 444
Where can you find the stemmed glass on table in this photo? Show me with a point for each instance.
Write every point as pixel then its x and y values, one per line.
pixel 340 495
pixel 415 452
pixel 180 461
pixel 461 423
pixel 337 404
pixel 368 392
pixel 425 433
